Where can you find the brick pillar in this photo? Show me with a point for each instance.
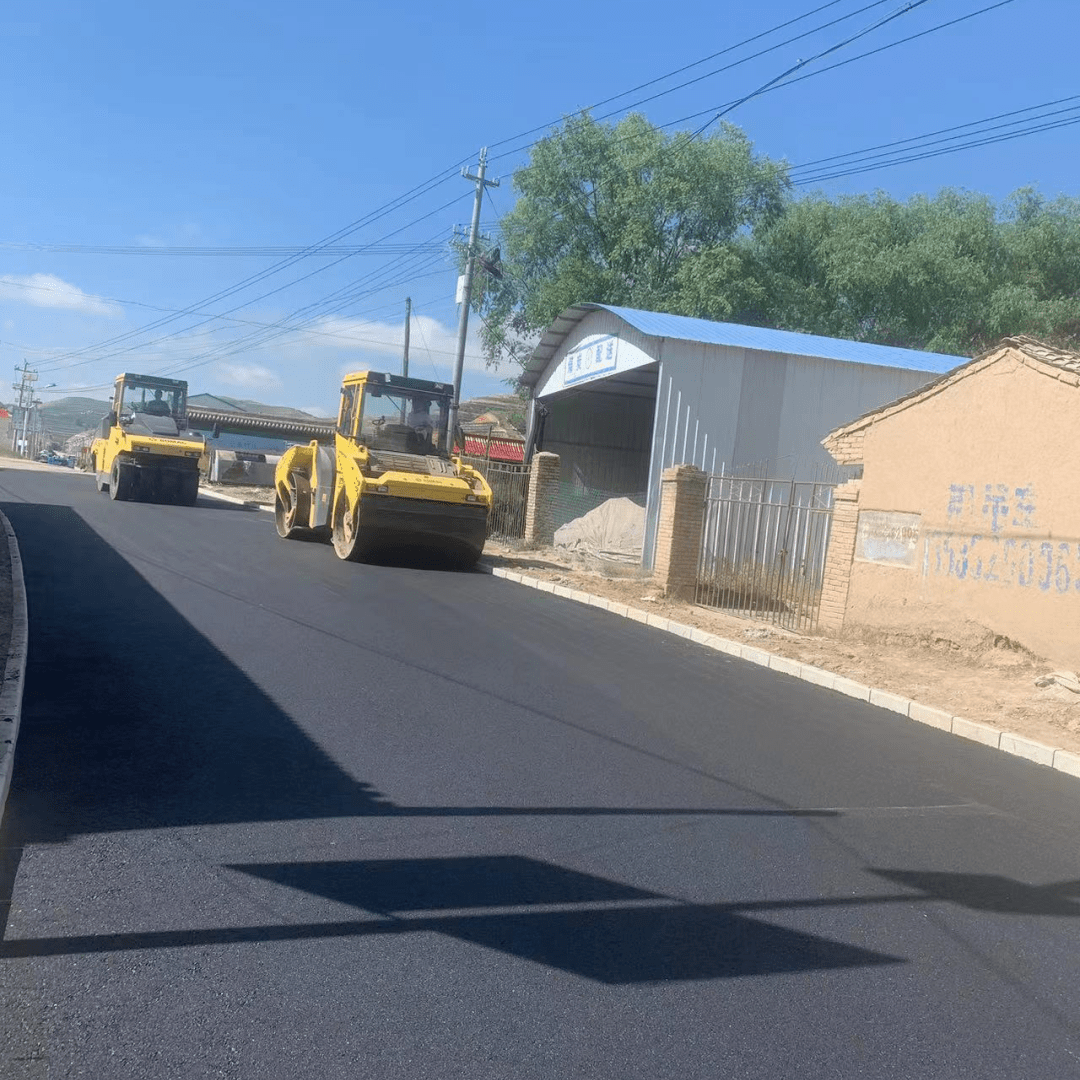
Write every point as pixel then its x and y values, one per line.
pixel 678 533
pixel 540 506
pixel 839 557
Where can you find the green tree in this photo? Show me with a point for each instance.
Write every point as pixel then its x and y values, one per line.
pixel 626 214
pixel 953 273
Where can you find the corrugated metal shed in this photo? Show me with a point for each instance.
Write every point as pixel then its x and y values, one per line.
pixel 707 332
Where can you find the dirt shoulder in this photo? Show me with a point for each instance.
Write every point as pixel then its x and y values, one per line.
pixel 964 668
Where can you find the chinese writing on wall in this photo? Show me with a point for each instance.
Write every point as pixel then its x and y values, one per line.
pixel 998 506
pixel 984 553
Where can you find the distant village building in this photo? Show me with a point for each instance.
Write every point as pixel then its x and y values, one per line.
pixel 489 437
pixel 621 394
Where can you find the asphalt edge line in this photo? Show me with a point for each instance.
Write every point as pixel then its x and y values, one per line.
pixel 1008 742
pixel 11 691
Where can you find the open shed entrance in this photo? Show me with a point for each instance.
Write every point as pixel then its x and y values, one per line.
pixel 602 431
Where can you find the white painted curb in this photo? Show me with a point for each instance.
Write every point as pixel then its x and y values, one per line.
pixel 11 690
pixel 1054 757
pixel 233 499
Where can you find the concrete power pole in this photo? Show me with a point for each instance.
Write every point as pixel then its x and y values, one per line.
pixel 408 320
pixel 466 289
pixel 25 387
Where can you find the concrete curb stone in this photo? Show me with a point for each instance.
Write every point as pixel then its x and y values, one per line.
pixel 980 733
pixel 1067 762
pixel 11 690
pixel 1038 752
pixel 926 714
pixel 1057 758
pixel 233 499
pixel 894 702
pixel 786 666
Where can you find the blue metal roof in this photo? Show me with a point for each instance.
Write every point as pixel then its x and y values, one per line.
pixel 683 328
pixel 783 341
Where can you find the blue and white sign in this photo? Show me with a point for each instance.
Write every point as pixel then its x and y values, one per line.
pixel 596 357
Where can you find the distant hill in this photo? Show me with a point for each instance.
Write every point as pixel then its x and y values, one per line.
pixel 70 415
pixel 508 409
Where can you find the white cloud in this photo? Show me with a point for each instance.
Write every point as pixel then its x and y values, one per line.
pixel 49 291
pixel 9 324
pixel 249 376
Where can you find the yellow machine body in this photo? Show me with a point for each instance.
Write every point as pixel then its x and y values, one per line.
pixel 389 483
pixel 144 450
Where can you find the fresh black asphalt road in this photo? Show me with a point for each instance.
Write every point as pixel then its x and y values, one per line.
pixel 274 815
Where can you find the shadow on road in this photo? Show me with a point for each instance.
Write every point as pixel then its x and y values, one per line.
pixel 657 941
pixel 990 892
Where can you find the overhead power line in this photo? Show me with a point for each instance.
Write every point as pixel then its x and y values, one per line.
pixel 687 67
pixel 850 60
pixel 200 306
pixel 248 251
pixel 920 152
pixel 799 65
pixel 939 131
pixel 215 315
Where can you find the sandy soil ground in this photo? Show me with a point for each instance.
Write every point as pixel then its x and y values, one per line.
pixel 263 496
pixel 963 668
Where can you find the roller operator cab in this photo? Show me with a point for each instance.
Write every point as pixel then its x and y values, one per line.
pixel 390 482
pixel 144 450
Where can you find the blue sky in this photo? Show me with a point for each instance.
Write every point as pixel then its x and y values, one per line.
pixel 274 125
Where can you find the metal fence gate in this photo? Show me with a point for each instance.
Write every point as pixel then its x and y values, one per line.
pixel 763 548
pixel 510 493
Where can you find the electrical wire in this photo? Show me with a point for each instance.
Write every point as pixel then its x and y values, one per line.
pixel 684 139
pixel 370 218
pixel 939 131
pixel 667 75
pixel 849 60
pixel 259 338
pixel 140 303
pixel 249 251
pixel 143 345
pixel 256 337
pixel 799 65
pixel 858 168
pixel 427 349
pixel 304 317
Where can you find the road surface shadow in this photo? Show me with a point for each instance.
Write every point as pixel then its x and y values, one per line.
pixel 655 940
pixel 603 930
pixel 989 892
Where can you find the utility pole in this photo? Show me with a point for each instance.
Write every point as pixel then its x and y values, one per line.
pixel 25 387
pixel 25 428
pixel 466 286
pixel 34 447
pixel 408 319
